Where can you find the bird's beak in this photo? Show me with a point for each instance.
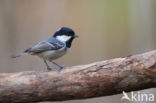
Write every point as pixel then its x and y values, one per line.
pixel 76 36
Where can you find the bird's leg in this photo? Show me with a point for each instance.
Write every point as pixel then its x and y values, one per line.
pixel 60 66
pixel 48 67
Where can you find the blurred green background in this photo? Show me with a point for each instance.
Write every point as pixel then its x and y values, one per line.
pixel 106 28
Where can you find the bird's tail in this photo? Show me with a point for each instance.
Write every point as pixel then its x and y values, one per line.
pixel 18 55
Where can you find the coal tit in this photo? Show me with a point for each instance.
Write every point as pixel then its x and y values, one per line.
pixel 53 47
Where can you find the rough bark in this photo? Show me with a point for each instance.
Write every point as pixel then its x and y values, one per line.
pixel 86 81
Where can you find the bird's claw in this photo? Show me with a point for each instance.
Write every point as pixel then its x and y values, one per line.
pixel 49 69
pixel 61 67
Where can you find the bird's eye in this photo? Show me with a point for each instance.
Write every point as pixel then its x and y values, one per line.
pixel 71 33
pixel 68 34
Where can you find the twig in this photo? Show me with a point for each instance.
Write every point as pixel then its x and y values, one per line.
pixel 79 82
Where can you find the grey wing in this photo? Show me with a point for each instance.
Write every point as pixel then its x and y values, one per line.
pixel 45 46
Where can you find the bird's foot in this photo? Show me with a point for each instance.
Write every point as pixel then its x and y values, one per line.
pixel 61 67
pixel 49 68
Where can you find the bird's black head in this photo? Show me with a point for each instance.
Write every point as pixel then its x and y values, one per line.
pixel 65 35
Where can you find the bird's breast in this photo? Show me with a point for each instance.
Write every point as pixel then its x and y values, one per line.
pixel 53 54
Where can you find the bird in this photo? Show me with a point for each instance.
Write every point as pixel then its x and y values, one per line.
pixel 53 47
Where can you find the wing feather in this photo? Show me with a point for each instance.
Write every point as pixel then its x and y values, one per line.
pixel 45 46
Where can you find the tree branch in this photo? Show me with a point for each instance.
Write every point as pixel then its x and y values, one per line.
pixel 92 80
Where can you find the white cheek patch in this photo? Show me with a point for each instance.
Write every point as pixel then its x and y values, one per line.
pixel 63 38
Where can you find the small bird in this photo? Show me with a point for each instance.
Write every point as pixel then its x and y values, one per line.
pixel 53 47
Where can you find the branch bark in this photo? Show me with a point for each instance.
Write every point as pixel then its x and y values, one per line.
pixel 79 82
